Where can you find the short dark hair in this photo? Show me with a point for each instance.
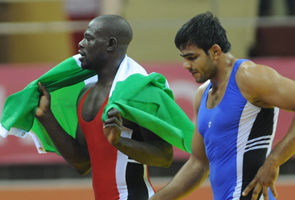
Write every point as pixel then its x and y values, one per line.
pixel 203 30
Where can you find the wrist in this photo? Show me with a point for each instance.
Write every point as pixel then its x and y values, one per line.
pixel 272 161
pixel 44 115
pixel 117 143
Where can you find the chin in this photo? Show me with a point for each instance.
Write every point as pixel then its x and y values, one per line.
pixel 200 81
pixel 88 67
pixel 84 66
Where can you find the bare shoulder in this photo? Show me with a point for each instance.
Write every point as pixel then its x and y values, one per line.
pixel 253 79
pixel 250 73
pixel 199 94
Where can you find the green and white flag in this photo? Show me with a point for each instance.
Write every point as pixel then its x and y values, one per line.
pixel 18 116
pixel 142 98
pixel 148 101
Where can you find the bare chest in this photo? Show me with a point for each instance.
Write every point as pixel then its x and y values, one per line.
pixel 215 97
pixel 93 103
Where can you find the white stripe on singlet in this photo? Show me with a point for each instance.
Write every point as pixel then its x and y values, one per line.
pixel 121 165
pixel 247 117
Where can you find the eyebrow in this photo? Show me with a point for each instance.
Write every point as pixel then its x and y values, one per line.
pixel 188 54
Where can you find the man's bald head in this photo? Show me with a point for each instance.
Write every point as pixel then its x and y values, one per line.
pixel 105 43
pixel 115 26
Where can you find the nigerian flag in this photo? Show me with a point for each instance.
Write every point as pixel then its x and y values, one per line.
pixel 18 116
pixel 149 103
pixel 142 98
pixel 147 100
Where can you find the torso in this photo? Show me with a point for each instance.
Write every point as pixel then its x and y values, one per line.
pixel 237 136
pixel 93 101
pixel 114 175
pixel 214 98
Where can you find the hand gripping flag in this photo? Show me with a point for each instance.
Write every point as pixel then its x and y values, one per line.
pixel 64 82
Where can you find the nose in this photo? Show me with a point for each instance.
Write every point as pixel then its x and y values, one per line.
pixel 186 65
pixel 80 44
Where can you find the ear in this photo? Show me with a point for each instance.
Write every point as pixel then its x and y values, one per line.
pixel 112 44
pixel 215 52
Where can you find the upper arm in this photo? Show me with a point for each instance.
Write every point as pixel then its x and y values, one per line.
pixel 265 87
pixel 157 141
pixel 80 137
pixel 198 147
pixel 142 134
pixel 145 135
pixel 149 135
pixel 153 149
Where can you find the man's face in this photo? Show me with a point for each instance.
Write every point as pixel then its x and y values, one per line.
pixel 93 46
pixel 199 64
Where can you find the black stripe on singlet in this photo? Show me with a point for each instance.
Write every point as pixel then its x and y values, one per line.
pixel 254 159
pixel 137 189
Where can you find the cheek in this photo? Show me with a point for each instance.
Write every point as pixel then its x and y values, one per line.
pixel 199 65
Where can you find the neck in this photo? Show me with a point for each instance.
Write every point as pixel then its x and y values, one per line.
pixel 107 74
pixel 224 68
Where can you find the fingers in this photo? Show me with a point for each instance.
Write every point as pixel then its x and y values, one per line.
pixel 265 193
pixel 256 192
pixel 257 188
pixel 112 135
pixel 113 126
pixel 43 89
pixel 112 132
pixel 249 187
pixel 114 118
pixel 274 191
pixel 40 86
pixel 114 113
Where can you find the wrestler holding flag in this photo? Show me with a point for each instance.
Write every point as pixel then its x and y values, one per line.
pixel 125 120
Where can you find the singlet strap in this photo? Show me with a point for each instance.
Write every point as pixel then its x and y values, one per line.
pixel 81 103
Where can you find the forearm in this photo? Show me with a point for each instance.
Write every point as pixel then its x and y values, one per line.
pixel 189 178
pixel 154 153
pixel 150 150
pixel 69 148
pixel 284 149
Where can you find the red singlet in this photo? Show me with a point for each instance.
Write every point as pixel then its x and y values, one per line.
pixel 114 175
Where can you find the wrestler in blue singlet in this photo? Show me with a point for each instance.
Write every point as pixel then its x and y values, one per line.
pixel 238 137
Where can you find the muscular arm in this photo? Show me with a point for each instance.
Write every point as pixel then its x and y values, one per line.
pixel 189 177
pixel 74 151
pixel 153 151
pixel 269 89
pixel 194 171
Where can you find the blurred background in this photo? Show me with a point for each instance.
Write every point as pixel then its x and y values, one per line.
pixel 35 35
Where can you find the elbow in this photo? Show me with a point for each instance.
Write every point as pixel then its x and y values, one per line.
pixel 82 169
pixel 166 164
pixel 167 159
